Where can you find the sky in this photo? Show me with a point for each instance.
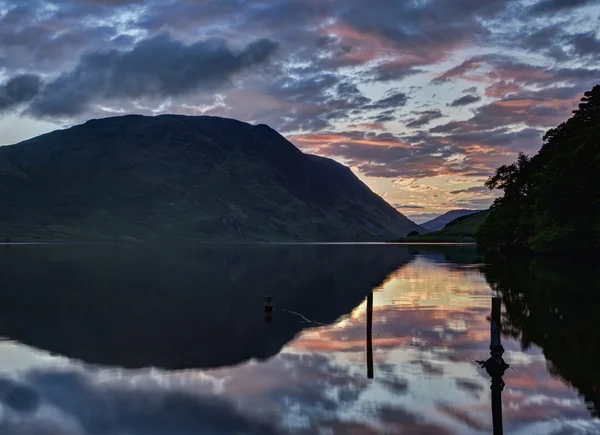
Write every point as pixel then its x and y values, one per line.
pixel 423 99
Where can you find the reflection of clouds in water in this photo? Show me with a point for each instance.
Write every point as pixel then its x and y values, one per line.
pixel 309 393
pixel 425 380
pixel 74 402
pixel 445 309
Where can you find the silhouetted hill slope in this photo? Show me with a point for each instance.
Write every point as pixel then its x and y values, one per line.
pixel 440 222
pixel 171 176
pixel 461 229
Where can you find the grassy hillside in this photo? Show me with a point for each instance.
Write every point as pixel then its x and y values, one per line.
pixel 440 222
pixel 461 229
pixel 171 176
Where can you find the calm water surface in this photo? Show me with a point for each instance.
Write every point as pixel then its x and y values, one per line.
pixel 174 340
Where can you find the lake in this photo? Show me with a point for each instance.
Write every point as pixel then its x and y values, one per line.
pixel 293 339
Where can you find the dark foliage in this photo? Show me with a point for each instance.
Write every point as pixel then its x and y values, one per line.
pixel 551 201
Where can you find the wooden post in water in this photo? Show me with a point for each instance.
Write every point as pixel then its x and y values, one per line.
pixel 496 327
pixel 268 307
pixel 495 365
pixel 497 387
pixel 370 335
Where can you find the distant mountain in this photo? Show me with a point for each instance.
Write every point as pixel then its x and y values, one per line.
pixel 148 178
pixel 441 221
pixel 461 229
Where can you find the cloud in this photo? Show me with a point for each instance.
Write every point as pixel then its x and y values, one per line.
pixel 584 44
pixel 545 7
pixel 121 408
pixel 392 100
pixel 474 190
pixel 424 118
pixel 18 90
pixel 493 68
pixel 390 71
pixel 540 39
pixel 385 116
pixel 155 67
pixel 465 101
pixel 340 66
pixel 409 207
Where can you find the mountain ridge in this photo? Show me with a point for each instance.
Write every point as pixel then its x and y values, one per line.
pixel 460 230
pixel 136 178
pixel 440 222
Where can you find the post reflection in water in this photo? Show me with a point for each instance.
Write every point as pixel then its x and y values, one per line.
pixel 495 365
pixel 370 336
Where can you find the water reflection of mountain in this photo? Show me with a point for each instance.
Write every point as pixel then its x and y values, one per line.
pixel 454 254
pixel 554 305
pixel 180 306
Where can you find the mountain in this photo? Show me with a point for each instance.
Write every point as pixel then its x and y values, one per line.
pixel 440 222
pixel 460 230
pixel 213 179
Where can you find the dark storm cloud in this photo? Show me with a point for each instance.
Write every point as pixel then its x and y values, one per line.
pixel 424 118
pixel 155 67
pixel 18 90
pixel 546 7
pixel 465 101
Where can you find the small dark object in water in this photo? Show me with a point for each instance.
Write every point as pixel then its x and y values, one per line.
pixel 268 309
pixel 268 304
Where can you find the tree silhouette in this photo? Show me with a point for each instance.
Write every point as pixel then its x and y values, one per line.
pixel 551 201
